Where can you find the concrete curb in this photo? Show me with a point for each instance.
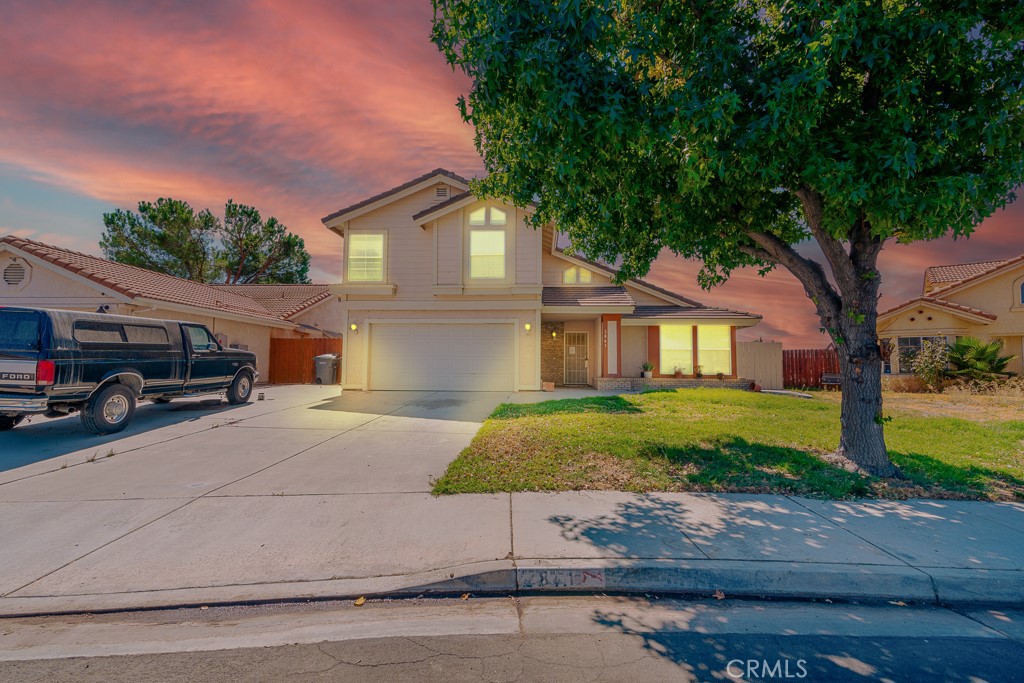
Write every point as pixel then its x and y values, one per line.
pixel 751 579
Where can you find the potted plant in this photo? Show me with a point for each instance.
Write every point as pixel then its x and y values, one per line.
pixel 720 375
pixel 647 370
pixel 698 372
pixel 679 372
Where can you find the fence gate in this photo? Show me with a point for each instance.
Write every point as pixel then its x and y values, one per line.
pixel 291 360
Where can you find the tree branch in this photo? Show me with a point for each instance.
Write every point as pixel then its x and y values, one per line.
pixel 810 274
pixel 838 259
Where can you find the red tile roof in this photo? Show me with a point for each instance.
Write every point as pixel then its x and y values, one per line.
pixel 940 276
pixel 941 303
pixel 284 301
pixel 136 282
pixel 395 190
pixel 993 267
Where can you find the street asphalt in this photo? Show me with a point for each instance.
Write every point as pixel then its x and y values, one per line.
pixel 549 638
pixel 314 493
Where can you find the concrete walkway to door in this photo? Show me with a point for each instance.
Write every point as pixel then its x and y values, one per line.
pixel 313 494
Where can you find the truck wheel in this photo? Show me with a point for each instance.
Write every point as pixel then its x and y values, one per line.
pixel 240 389
pixel 10 422
pixel 109 410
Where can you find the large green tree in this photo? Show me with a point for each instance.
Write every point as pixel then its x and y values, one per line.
pixel 732 131
pixel 169 236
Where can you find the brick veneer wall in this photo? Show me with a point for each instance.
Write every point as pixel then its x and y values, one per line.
pixel 552 353
pixel 639 383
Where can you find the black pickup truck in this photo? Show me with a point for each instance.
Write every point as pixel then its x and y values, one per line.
pixel 59 362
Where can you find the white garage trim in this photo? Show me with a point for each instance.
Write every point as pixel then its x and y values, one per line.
pixel 512 323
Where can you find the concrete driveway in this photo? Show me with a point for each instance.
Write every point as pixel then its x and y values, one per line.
pixel 309 484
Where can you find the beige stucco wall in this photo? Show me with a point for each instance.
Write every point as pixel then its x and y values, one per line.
pixel 327 315
pixel 999 295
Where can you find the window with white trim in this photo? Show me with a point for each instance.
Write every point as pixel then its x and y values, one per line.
pixel 574 275
pixel 365 254
pixel 676 349
pixel 487 254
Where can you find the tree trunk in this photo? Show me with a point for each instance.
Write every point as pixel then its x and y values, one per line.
pixel 860 438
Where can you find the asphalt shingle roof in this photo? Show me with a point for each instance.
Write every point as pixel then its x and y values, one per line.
pixel 395 190
pixel 687 312
pixel 586 296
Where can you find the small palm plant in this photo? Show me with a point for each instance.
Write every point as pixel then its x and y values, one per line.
pixel 972 358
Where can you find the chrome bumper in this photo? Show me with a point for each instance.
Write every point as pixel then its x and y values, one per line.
pixel 22 404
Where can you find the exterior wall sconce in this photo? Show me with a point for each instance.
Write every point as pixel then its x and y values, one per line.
pixel 527 327
pixel 354 328
pixel 554 334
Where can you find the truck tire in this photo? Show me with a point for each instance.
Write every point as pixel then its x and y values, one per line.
pixel 240 390
pixel 10 422
pixel 109 410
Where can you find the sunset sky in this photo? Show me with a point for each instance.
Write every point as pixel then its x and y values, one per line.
pixel 298 108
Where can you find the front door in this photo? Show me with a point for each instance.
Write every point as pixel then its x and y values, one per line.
pixel 577 359
pixel 208 366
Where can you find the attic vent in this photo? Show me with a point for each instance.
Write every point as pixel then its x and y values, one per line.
pixel 442 192
pixel 14 274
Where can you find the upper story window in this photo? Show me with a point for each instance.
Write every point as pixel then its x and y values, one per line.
pixel 365 254
pixel 576 276
pixel 488 244
pixel 1021 300
pixel 487 254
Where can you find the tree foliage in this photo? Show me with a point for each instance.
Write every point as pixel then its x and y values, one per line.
pixel 731 131
pixel 169 236
pixel 974 359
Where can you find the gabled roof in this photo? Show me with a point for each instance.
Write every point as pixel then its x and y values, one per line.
pixel 285 301
pixel 586 296
pixel 955 308
pixel 138 283
pixel 442 207
pixel 995 268
pixel 573 258
pixel 941 276
pixel 439 174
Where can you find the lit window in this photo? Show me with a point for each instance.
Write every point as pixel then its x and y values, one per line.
pixel 478 217
pixel 365 257
pixel 574 275
pixel 676 349
pixel 497 217
pixel 714 349
pixel 487 254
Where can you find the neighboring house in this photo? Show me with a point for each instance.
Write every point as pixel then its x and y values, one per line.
pixel 444 291
pixel 983 300
pixel 241 316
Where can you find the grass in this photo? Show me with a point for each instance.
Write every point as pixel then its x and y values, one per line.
pixel 727 440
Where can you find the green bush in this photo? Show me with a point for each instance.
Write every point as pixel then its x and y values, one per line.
pixel 973 359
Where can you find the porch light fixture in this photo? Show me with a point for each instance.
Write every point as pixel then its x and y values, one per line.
pixel 354 328
pixel 527 327
pixel 554 334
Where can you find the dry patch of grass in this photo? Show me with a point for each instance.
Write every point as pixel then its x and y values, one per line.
pixel 959 405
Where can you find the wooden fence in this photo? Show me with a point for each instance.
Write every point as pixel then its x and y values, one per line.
pixel 803 367
pixel 760 362
pixel 291 360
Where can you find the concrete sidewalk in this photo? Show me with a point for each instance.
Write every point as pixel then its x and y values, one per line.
pixel 310 495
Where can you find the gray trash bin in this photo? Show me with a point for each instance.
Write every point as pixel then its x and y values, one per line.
pixel 326 368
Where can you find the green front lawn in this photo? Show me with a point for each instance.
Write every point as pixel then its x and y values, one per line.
pixel 727 440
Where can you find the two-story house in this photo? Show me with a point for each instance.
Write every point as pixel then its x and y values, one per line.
pixel 984 300
pixel 443 291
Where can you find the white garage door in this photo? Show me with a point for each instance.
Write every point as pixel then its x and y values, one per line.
pixel 442 357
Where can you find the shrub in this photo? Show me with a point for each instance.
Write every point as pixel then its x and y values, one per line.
pixel 1012 387
pixel 973 359
pixel 930 364
pixel 904 384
